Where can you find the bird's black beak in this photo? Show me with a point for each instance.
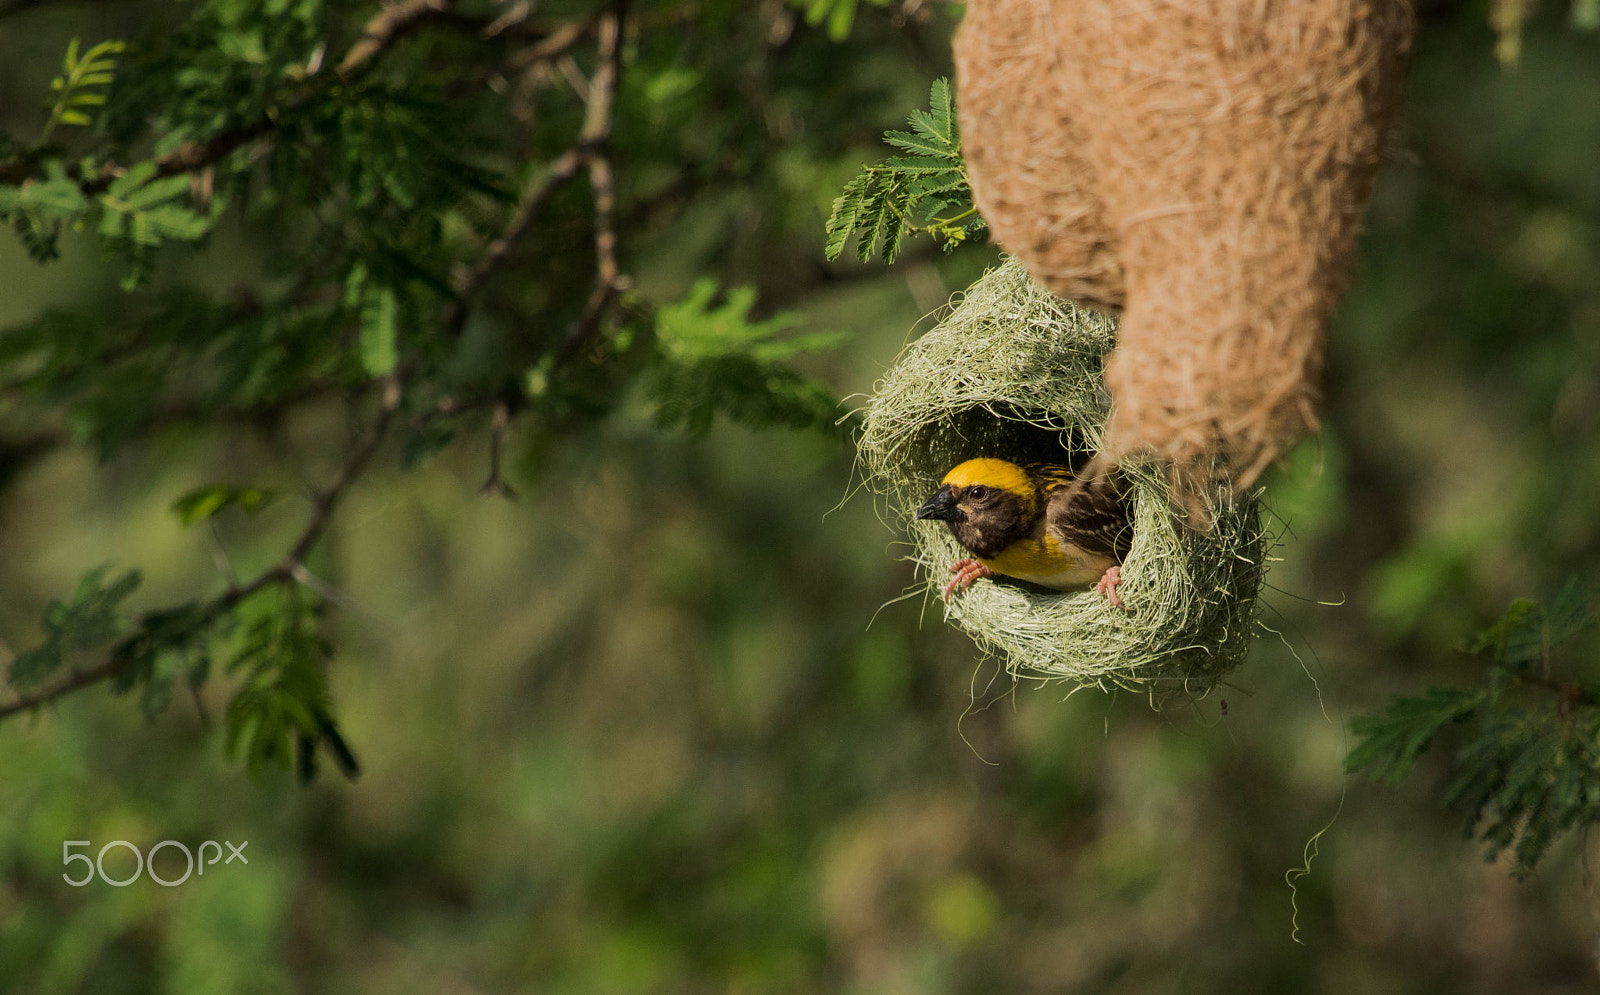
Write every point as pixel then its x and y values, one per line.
pixel 942 506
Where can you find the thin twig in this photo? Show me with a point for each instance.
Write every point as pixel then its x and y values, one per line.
pixel 600 114
pixel 598 119
pixel 72 682
pixel 219 554
pixel 607 274
pixel 607 278
pixel 549 47
pixel 323 505
pixel 514 15
pixel 387 25
pixel 568 67
pixel 496 484
pixel 332 594
pixel 533 198
pixel 598 122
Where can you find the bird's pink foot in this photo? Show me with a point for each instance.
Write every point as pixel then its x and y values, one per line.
pixel 966 572
pixel 1108 586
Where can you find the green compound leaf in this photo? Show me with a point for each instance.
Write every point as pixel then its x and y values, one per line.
pixel 81 84
pixel 54 196
pixel 927 191
pixel 39 208
pixel 143 211
pixel 712 358
pixel 1394 741
pixel 1528 768
pixel 282 713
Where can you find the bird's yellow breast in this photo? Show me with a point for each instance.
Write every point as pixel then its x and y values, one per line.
pixel 1047 563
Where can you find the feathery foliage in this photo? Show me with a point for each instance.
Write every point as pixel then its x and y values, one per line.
pixel 1528 766
pixel 282 712
pixel 81 85
pixel 89 619
pixel 136 209
pixel 436 260
pixel 882 203
pixel 713 358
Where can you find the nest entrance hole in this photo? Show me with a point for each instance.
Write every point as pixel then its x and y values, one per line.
pixel 998 430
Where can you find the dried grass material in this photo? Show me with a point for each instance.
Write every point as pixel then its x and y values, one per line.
pixel 1015 372
pixel 1201 165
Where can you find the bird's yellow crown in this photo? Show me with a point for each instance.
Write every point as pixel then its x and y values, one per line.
pixel 992 473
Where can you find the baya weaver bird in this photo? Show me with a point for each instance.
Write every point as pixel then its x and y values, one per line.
pixel 1037 522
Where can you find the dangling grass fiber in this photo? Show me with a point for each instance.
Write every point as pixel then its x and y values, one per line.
pixel 1015 372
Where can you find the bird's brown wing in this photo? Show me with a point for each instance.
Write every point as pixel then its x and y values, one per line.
pixel 1088 512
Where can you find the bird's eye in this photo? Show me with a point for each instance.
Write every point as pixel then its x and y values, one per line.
pixel 978 493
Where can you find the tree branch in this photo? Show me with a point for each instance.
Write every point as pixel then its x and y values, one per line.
pixel 607 277
pixel 587 152
pixel 386 27
pixel 72 682
pixel 286 570
pixel 598 120
pixel 496 484
pixel 532 200
pixel 555 43
pixel 324 504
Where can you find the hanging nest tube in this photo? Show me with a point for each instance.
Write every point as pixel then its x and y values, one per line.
pixel 1017 373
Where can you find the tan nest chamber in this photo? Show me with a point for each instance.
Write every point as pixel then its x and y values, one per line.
pixel 1200 166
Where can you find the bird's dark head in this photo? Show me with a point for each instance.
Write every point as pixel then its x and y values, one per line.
pixel 987 503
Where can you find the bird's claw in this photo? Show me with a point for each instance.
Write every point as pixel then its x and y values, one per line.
pixel 966 572
pixel 1108 586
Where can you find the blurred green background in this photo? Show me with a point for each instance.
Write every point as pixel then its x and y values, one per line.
pixel 660 725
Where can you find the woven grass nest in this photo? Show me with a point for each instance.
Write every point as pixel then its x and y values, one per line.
pixel 1015 372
